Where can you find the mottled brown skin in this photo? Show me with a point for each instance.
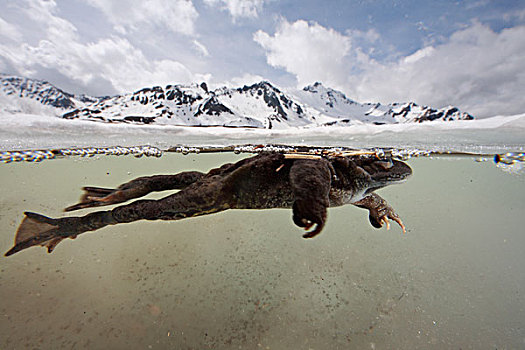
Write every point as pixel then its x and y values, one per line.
pixel 268 180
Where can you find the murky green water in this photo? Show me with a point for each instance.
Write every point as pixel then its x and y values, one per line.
pixel 247 279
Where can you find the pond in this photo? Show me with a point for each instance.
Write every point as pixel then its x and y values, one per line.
pixel 247 279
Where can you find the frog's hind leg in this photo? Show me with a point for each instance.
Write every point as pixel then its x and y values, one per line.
pixel 203 198
pixel 190 202
pixel 97 196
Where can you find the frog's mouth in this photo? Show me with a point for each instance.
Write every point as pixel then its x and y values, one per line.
pixel 386 172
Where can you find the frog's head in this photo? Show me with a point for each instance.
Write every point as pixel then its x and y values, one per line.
pixel 383 172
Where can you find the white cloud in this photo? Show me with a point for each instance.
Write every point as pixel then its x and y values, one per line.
pixel 309 51
pixel 9 31
pixel 200 48
pixel 239 8
pixel 245 79
pixel 113 59
pixel 176 15
pixel 476 69
pixel 419 54
pixel 133 70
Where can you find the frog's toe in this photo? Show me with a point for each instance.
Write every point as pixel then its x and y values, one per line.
pixel 117 196
pixel 385 221
pixel 314 232
pixel 400 223
pixel 92 197
pixel 391 214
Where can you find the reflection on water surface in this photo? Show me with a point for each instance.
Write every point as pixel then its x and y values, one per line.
pixel 247 279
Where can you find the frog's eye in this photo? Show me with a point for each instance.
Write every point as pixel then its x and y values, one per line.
pixel 385 164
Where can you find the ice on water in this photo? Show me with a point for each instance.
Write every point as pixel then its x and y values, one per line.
pixel 492 135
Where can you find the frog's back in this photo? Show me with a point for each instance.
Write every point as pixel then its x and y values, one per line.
pixel 261 182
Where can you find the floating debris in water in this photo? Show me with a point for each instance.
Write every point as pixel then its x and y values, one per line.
pixel 264 148
pixel 39 155
pixel 513 163
pixel 187 150
pixel 509 158
pixel 406 154
pixel 27 156
pixel 136 151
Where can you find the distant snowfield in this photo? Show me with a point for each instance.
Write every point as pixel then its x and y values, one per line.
pixel 490 135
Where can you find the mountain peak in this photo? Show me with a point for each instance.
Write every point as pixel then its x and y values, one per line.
pixel 39 90
pixel 330 96
pixel 263 84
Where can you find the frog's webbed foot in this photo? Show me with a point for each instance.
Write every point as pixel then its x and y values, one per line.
pixel 380 211
pixel 37 229
pixel 97 196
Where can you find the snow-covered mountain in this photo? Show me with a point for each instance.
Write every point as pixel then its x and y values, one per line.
pixel 15 88
pixel 260 105
pixel 336 105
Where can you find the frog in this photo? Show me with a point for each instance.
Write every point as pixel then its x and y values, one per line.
pixel 308 185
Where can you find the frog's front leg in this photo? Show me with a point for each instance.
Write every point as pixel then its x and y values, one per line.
pixel 380 211
pixel 310 181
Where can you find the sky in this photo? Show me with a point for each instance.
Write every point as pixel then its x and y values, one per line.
pixel 469 54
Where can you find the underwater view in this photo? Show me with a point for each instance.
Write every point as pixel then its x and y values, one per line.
pixel 247 279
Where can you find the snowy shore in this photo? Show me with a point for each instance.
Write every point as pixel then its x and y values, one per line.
pixel 495 134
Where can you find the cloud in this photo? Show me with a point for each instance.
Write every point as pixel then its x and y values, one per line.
pixel 200 48
pixel 239 8
pixel 112 59
pixel 133 70
pixel 178 16
pixel 308 50
pixel 9 31
pixel 477 69
pixel 245 79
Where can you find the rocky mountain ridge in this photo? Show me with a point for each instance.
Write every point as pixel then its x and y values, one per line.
pixel 260 105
